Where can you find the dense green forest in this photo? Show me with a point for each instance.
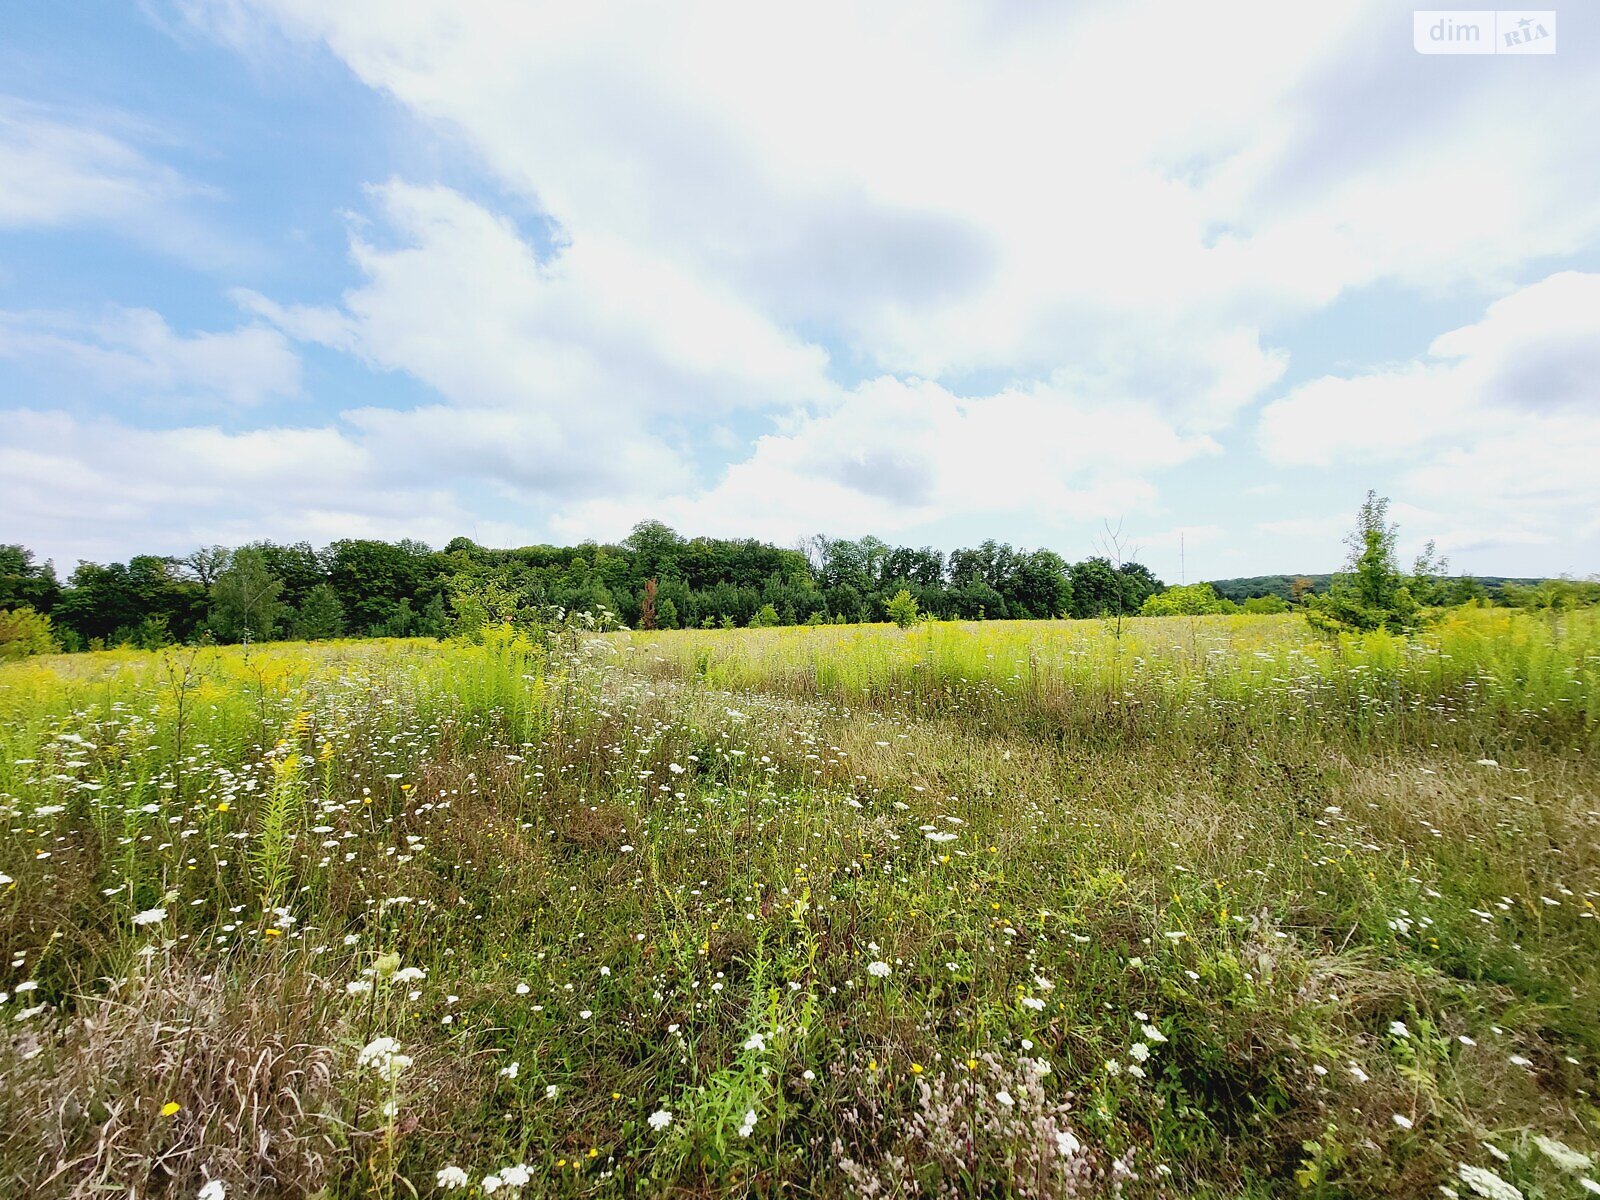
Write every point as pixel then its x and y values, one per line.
pixel 654 578
pixel 1293 587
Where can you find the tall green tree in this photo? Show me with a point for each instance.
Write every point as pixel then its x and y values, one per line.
pixel 25 582
pixel 1098 589
pixel 205 563
pixel 371 578
pixel 299 566
pixel 434 620
pixel 245 604
pixel 320 615
pixel 107 604
pixel 1038 585
pixel 1370 593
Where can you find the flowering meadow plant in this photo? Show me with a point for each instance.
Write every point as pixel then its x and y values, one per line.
pixel 1043 909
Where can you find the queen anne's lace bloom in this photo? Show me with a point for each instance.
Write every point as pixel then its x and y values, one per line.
pixel 1487 1184
pixel 383 1056
pixel 1563 1155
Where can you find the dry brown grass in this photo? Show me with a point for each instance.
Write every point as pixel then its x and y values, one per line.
pixel 255 1063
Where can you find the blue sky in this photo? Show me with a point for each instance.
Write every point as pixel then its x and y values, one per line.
pixel 937 272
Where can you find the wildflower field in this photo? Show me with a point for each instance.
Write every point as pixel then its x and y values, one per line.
pixel 1165 907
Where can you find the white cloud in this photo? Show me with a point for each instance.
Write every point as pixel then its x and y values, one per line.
pixel 1496 430
pixel 1537 348
pixel 465 304
pixel 1180 537
pixel 572 377
pixel 1535 355
pixel 1322 532
pixel 133 352
pixel 57 172
pixel 894 454
pixel 948 189
pixel 100 489
pixel 557 373
pixel 63 170
pixel 881 266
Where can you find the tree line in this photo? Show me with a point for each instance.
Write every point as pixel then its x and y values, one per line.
pixel 654 578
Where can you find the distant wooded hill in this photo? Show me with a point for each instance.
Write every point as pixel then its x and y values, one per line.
pixel 1246 586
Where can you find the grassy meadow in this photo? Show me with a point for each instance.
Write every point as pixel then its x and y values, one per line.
pixel 1162 907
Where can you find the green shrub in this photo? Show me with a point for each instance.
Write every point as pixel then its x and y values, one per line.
pixel 903 609
pixel 1189 600
pixel 24 632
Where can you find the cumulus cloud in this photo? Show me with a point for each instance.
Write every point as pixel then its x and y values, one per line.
pixel 462 301
pixel 895 453
pixel 558 370
pixel 98 488
pixel 949 189
pixel 760 270
pixel 61 170
pixel 1533 356
pixel 1496 429
pixel 134 352
pixel 58 172
pixel 1537 348
pixel 931 208
pixel 564 375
